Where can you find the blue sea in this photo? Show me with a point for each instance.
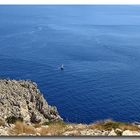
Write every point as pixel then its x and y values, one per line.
pixel 99 47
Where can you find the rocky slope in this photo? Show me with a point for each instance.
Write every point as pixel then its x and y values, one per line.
pixel 23 100
pixel 25 112
pixel 62 129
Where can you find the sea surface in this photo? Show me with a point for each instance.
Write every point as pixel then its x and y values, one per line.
pixel 99 47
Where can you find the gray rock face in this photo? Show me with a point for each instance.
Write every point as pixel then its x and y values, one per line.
pixel 23 99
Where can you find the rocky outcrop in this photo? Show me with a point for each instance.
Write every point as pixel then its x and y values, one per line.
pixel 60 130
pixel 112 133
pixel 22 99
pixel 130 133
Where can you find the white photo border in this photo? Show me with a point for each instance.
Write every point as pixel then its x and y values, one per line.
pixel 83 2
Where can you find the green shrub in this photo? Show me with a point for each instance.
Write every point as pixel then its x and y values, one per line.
pixel 109 125
pixel 55 122
pixel 13 119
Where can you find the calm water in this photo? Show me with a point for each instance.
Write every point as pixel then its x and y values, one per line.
pixel 99 47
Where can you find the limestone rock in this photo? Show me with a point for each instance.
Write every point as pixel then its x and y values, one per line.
pixel 22 99
pixel 112 133
pixel 80 126
pixel 105 133
pixel 130 133
pixel 4 131
pixel 138 126
pixel 24 111
pixel 90 132
pixel 71 133
pixel 70 127
pixel 118 132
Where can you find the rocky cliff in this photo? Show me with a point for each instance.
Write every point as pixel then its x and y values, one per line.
pixel 23 100
pixel 25 112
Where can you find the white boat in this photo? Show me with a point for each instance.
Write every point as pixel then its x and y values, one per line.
pixel 62 67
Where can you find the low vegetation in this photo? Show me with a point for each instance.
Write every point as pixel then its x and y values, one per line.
pixel 13 119
pixel 59 128
pixel 2 122
pixel 109 125
pixel 54 128
pixel 22 128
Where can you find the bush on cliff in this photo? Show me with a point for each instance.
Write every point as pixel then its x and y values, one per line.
pixel 109 125
pixel 13 119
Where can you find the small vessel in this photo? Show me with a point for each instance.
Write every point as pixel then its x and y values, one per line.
pixel 62 67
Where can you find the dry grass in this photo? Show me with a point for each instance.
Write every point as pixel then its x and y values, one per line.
pixel 58 128
pixel 54 129
pixel 37 125
pixel 21 128
pixel 109 125
pixel 2 122
pixel 128 127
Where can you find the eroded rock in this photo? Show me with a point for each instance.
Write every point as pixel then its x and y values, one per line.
pixel 112 133
pixel 130 133
pixel 23 99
